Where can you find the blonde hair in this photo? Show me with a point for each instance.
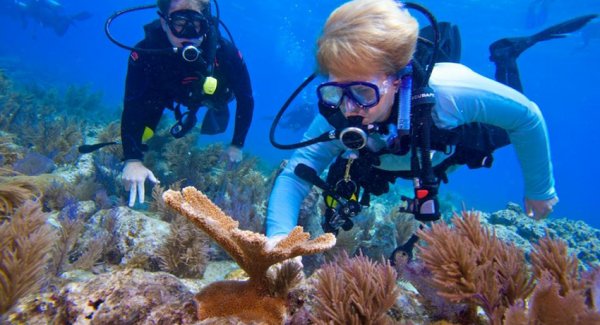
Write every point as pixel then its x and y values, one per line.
pixel 364 37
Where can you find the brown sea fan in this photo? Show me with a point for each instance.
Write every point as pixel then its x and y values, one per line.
pixel 25 243
pixel 355 291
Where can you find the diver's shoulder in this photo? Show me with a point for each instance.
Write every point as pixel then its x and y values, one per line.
pixel 455 75
pixel 447 69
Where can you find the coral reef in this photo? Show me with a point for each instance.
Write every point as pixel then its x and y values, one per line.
pixel 9 151
pixel 68 252
pixel 34 164
pixel 185 251
pixel 159 206
pixel 15 191
pixel 262 297
pixel 469 264
pixel 354 291
pixel 123 297
pixel 548 306
pixel 25 241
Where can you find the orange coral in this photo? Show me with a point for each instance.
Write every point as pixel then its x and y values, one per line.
pixel 551 256
pixel 262 297
pixel 355 291
pixel 25 244
pixel 15 191
pixel 471 265
pixel 548 306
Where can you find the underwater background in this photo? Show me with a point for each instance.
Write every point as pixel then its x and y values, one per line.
pixel 277 39
pixel 72 252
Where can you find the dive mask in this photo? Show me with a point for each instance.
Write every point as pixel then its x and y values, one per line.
pixel 186 23
pixel 364 94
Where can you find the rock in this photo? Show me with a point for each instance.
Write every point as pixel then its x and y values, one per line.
pixel 124 297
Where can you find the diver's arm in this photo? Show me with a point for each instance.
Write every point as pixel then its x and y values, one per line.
pixel 464 96
pixel 289 190
pixel 141 108
pixel 239 80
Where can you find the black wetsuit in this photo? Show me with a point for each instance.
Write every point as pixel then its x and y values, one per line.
pixel 156 81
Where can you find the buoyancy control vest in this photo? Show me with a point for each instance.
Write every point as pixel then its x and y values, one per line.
pixel 470 144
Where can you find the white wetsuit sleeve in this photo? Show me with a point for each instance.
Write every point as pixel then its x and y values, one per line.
pixel 464 96
pixel 289 190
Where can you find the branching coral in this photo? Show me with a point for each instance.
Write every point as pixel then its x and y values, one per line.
pixel 354 291
pixel 185 251
pixel 112 133
pixel 551 256
pixel 25 245
pixel 13 192
pixel 65 132
pixel 9 151
pixel 548 306
pixel 255 299
pixel 158 204
pixel 81 100
pixel 471 265
pixel 70 230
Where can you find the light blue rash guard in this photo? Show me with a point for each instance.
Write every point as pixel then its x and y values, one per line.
pixel 462 97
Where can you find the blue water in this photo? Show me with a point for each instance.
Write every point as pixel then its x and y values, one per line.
pixel 277 39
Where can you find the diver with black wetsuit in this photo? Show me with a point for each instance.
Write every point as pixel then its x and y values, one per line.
pixel 182 64
pixel 155 82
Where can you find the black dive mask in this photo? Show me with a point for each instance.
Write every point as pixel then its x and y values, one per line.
pixel 188 24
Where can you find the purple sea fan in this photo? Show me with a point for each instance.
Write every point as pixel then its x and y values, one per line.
pixel 34 164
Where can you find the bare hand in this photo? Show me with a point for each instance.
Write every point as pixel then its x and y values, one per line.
pixel 134 177
pixel 234 153
pixel 539 209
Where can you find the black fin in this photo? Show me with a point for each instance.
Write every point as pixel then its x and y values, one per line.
pixel 504 52
pixel 215 121
pixel 508 49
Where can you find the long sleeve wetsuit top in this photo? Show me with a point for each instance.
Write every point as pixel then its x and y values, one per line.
pixel 462 97
pixel 156 81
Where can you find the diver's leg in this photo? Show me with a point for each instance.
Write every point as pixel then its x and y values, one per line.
pixel 504 52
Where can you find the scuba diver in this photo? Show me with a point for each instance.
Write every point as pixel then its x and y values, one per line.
pixel 48 13
pixel 386 114
pixel 182 64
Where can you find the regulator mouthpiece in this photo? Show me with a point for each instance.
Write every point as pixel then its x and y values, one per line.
pixel 190 53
